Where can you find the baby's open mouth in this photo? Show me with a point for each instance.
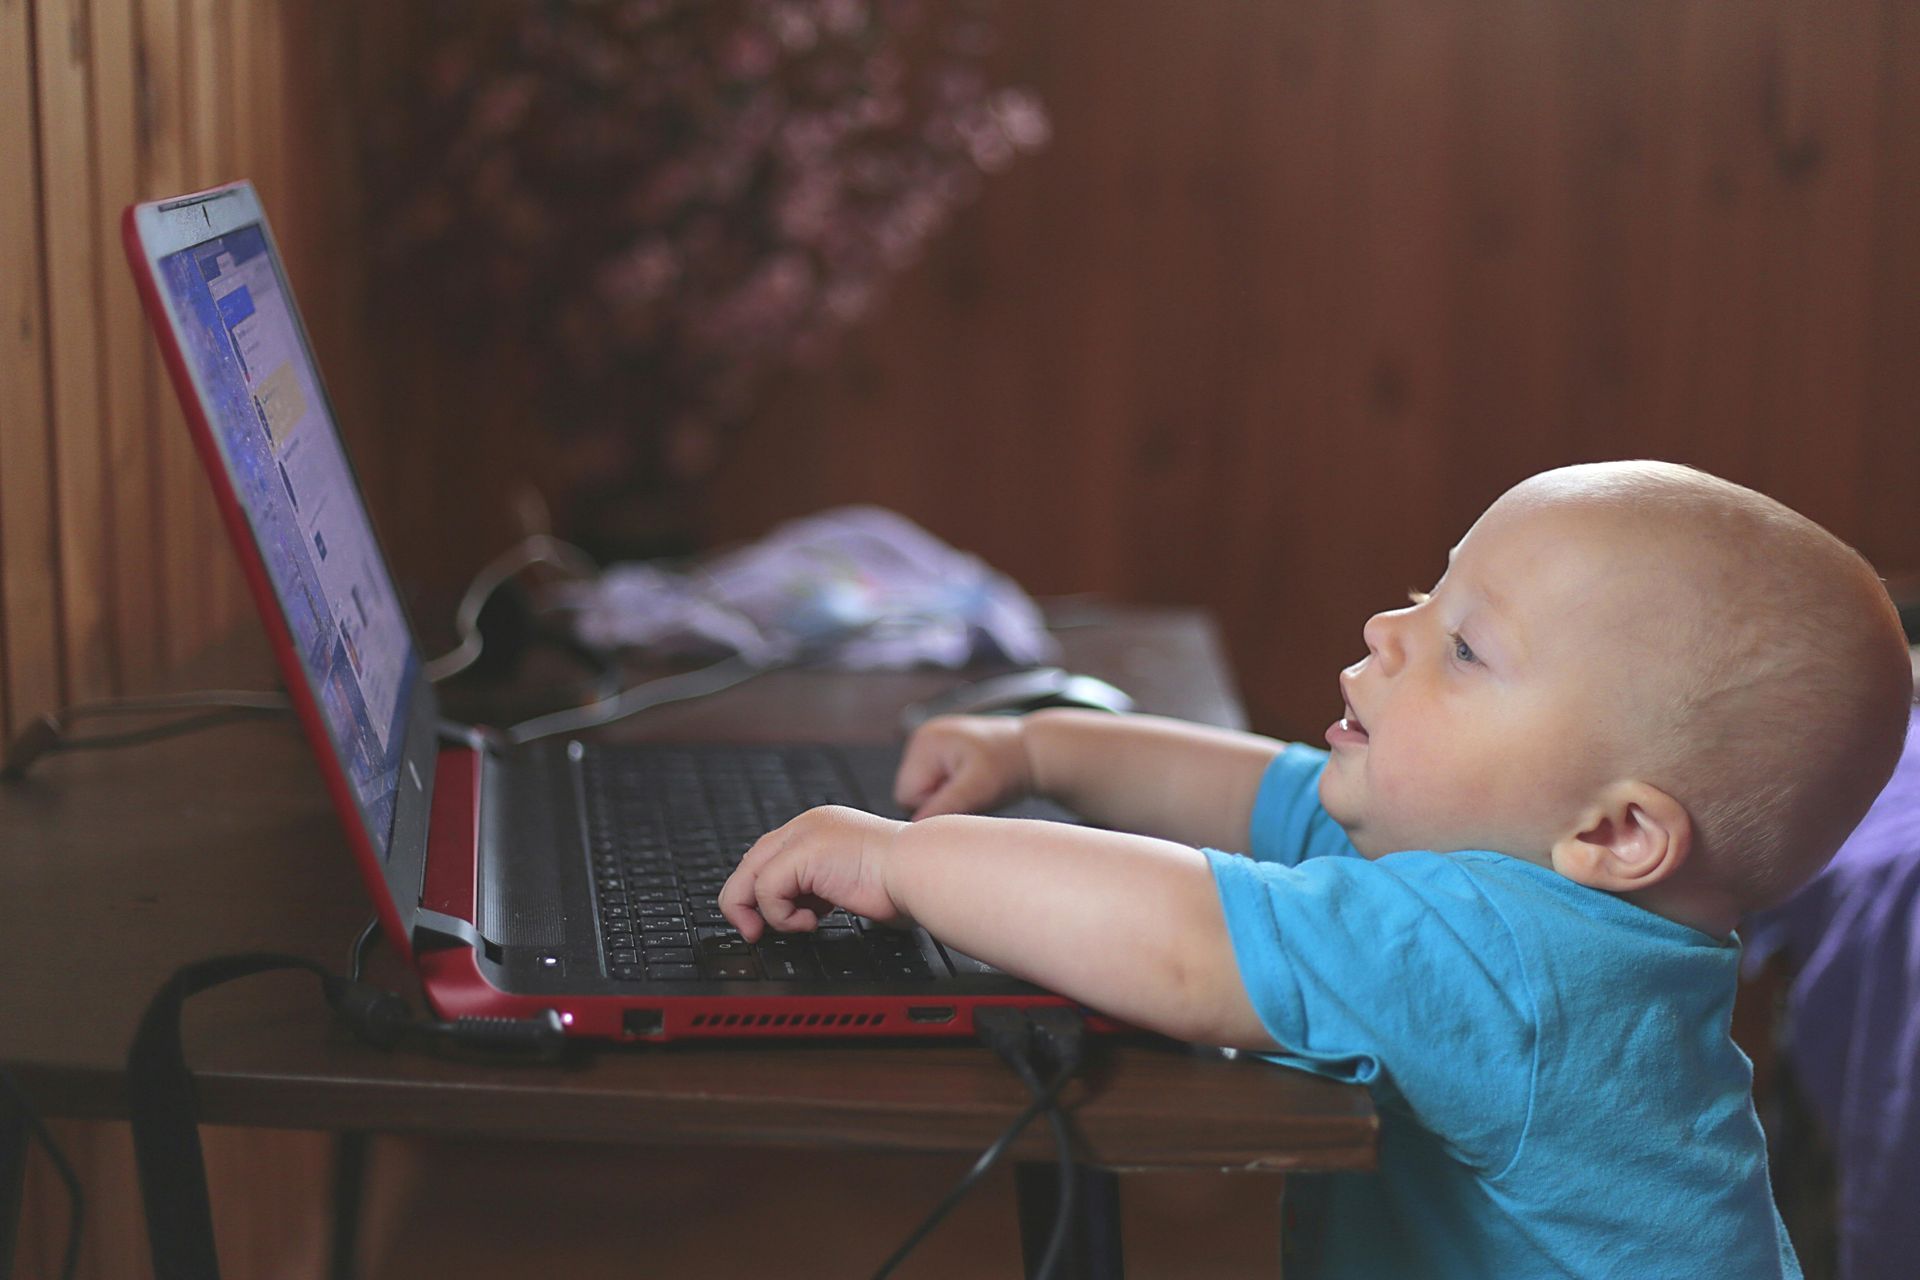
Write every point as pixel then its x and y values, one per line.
pixel 1346 731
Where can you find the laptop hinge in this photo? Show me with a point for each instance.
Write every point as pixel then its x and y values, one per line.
pixel 435 929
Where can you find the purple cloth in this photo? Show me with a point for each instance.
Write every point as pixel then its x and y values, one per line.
pixel 1853 938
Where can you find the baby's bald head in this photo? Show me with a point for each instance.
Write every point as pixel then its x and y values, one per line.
pixel 1763 678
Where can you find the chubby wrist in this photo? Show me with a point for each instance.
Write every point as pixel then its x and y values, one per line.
pixel 1043 734
pixel 900 869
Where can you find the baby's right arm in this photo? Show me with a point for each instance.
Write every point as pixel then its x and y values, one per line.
pixel 1189 783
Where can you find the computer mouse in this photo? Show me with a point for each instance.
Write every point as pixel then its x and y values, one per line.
pixel 1018 692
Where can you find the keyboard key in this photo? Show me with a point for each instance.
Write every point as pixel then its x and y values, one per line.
pixel 666 827
pixel 789 964
pixel 844 962
pixel 907 972
pixel 672 972
pixel 732 968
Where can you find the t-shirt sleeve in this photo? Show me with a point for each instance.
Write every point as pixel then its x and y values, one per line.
pixel 1398 974
pixel 1288 825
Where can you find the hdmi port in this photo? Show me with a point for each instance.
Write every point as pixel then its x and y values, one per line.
pixel 930 1013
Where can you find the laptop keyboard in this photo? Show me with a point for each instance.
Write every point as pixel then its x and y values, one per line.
pixel 667 826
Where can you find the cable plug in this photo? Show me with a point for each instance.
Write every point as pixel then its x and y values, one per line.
pixel 1059 1032
pixel 1008 1032
pixel 378 1017
pixel 541 1036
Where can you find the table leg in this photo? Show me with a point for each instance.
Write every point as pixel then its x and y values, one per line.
pixel 1093 1239
pixel 13 1179
pixel 349 1192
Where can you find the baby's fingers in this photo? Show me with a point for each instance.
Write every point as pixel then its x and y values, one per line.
pixel 923 771
pixel 954 796
pixel 738 896
pixel 777 894
pixel 737 900
pixel 975 786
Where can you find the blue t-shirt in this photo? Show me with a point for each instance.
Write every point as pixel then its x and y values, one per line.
pixel 1558 1090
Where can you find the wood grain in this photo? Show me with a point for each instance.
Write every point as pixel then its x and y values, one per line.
pixel 165 167
pixel 69 213
pixel 1294 293
pixel 30 641
pixel 1297 290
pixel 112 570
pixel 123 340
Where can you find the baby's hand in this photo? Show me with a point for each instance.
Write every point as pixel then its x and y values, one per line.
pixel 963 764
pixel 825 858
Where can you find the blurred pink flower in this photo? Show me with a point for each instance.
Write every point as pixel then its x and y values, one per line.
pixel 659 202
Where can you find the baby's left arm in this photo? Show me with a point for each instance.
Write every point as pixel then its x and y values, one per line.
pixel 1126 924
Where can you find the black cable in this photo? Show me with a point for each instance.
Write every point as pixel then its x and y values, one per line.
pixel 357 955
pixel 160 1094
pixel 988 1159
pixel 1059 1032
pixel 173 728
pixel 52 732
pixel 78 1211
pixel 1063 1149
pixel 1018 1036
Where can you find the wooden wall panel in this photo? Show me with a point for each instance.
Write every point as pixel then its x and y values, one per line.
pixel 69 213
pixel 1298 289
pixel 29 567
pixel 112 566
pixel 182 603
pixel 124 350
pixel 207 72
pixel 1891 404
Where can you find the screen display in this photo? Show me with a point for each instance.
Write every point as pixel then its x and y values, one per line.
pixel 290 473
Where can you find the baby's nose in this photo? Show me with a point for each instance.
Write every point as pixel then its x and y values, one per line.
pixel 1382 634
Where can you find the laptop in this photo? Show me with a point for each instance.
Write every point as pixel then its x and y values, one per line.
pixel 560 875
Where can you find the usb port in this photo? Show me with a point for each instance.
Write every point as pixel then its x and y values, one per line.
pixel 643 1022
pixel 929 1013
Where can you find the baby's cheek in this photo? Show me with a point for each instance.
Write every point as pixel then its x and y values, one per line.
pixel 1435 797
pixel 1408 791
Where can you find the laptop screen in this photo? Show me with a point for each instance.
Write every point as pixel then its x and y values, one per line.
pixel 290 473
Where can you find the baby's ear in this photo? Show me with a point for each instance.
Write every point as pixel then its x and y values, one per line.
pixel 1634 837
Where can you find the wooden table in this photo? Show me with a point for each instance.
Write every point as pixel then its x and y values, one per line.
pixel 117 867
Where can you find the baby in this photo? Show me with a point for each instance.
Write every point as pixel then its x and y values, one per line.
pixel 1640 702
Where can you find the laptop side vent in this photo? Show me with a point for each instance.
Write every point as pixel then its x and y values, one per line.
pixel 787 1019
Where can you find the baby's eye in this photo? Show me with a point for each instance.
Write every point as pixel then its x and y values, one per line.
pixel 1461 649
